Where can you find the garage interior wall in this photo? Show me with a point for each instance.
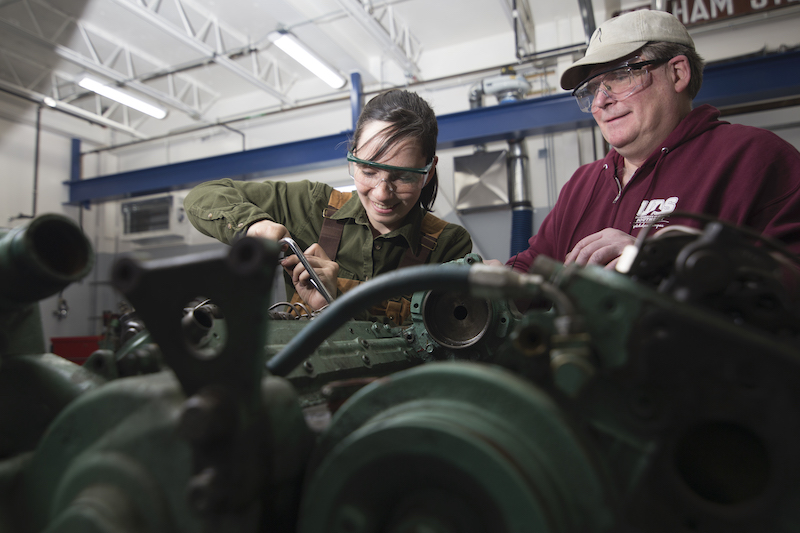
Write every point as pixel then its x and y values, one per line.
pixel 36 185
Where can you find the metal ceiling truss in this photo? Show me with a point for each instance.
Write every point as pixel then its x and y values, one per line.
pixel 13 62
pixel 43 99
pixel 96 52
pixel 156 13
pixel 392 34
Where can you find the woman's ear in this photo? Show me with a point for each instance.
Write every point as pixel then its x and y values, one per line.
pixel 432 171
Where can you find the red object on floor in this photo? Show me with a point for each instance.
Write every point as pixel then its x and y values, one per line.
pixel 75 349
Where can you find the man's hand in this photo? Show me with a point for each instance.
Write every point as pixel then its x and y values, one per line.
pixel 327 270
pixel 601 248
pixel 267 229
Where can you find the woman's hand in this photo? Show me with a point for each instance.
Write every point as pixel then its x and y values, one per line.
pixel 327 270
pixel 267 229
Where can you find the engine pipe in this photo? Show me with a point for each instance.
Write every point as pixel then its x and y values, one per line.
pixel 41 258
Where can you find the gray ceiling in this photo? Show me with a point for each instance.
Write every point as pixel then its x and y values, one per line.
pixel 188 55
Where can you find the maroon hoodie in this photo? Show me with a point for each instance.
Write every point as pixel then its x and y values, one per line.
pixel 744 175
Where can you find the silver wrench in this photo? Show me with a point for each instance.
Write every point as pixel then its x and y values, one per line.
pixel 315 281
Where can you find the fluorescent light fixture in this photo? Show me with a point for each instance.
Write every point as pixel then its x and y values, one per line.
pixel 300 53
pixel 122 96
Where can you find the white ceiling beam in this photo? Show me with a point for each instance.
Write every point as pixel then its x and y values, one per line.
pixel 110 60
pixel 10 67
pixel 160 22
pixel 89 44
pixel 355 9
pixel 184 19
pixel 33 17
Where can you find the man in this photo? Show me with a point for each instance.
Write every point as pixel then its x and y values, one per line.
pixel 638 79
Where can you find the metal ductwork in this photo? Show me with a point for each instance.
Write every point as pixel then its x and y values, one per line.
pixel 508 87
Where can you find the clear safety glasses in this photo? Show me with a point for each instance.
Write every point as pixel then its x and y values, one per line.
pixel 399 179
pixel 617 83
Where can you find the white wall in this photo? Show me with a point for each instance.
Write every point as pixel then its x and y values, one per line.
pixel 18 135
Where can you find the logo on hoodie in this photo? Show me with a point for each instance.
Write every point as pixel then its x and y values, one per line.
pixel 650 210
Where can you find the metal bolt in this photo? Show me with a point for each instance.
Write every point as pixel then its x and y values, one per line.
pixel 364 343
pixel 365 359
pixel 308 366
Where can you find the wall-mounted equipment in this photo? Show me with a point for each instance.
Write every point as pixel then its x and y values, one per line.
pixel 508 86
pixel 154 220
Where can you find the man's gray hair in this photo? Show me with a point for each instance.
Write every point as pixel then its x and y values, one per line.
pixel 666 51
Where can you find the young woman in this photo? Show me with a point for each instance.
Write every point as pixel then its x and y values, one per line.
pixel 349 238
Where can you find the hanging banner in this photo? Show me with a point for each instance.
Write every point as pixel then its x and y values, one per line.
pixel 696 12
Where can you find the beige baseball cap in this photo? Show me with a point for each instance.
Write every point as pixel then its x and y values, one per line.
pixel 622 36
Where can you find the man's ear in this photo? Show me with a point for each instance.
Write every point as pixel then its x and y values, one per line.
pixel 679 72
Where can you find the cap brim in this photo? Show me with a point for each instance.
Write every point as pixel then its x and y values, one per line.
pixel 579 70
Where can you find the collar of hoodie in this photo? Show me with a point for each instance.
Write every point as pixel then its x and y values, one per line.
pixel 614 157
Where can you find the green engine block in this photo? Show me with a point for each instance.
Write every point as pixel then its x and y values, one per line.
pixel 663 399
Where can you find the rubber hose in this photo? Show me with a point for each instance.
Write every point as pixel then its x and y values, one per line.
pixel 403 281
